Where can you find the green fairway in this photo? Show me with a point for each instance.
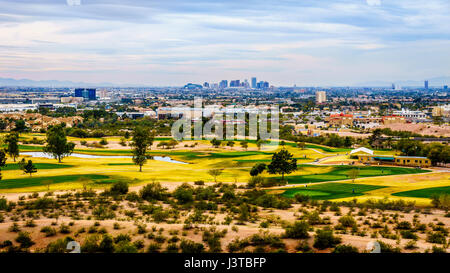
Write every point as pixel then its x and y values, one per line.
pixel 39 166
pixel 38 181
pixel 327 149
pixel 341 173
pixel 331 190
pixel 424 193
pixel 267 160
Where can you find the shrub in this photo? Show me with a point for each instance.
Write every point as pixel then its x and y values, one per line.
pixel 299 230
pixel 91 244
pixel 187 246
pixel 325 239
pixel 404 225
pixel 153 192
pixel 30 223
pixel 172 248
pixel 347 221
pixel 387 248
pixel 184 194
pixel 302 198
pixel 436 237
pixel 58 246
pixel 125 247
pixel 122 237
pixel 64 229
pixel 120 187
pixel 103 213
pixel 153 248
pixel 408 234
pixel 24 240
pixel 49 231
pixel 14 228
pixel 107 244
pixel 345 249
pixel 436 249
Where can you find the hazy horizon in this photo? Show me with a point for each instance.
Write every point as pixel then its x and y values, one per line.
pixel 170 43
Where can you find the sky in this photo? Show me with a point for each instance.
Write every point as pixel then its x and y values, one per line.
pixel 173 42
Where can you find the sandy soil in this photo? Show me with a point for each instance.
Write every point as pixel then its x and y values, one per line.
pixel 421 128
pixel 277 218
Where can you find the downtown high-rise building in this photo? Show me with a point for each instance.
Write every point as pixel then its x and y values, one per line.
pixel 426 84
pixel 86 93
pixel 254 82
pixel 235 83
pixel 223 84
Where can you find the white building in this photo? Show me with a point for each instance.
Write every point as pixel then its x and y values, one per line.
pixel 321 96
pixel 411 115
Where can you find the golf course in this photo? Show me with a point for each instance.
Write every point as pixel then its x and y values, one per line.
pixel 191 161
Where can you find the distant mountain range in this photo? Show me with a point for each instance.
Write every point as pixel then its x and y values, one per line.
pixel 432 82
pixel 49 83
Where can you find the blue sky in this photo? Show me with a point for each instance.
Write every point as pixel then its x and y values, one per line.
pixel 171 42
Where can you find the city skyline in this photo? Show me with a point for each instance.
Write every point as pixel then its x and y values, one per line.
pixel 171 43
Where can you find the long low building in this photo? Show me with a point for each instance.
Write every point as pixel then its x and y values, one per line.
pixel 412 161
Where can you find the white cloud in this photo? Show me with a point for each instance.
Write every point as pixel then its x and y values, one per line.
pixel 373 2
pixel 165 44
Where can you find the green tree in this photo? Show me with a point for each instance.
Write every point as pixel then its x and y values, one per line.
pixel 301 145
pixel 260 143
pixel 215 173
pixel 47 183
pixel 141 141
pixel 29 168
pixel 12 145
pixel 20 126
pixel 215 142
pixel 57 145
pixel 244 144
pixel 353 173
pixel 282 163
pixel 2 161
pixel 257 169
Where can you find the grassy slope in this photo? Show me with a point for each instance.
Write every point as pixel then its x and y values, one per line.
pixel 38 181
pixel 424 193
pixel 331 190
pixel 314 174
pixel 39 166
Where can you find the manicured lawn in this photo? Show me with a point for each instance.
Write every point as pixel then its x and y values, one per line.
pixel 327 149
pixel 267 160
pixel 424 193
pixel 28 148
pixel 341 173
pixel 39 166
pixel 37 181
pixel 331 190
pixel 120 164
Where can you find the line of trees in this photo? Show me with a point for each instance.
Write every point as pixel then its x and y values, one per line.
pixel 438 153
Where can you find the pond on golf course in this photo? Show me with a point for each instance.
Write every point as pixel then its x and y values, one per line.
pixel 157 158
